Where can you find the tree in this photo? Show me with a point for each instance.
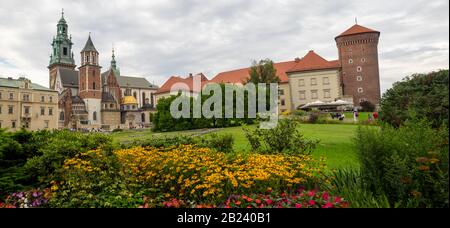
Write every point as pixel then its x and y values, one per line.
pixel 263 72
pixel 420 96
pixel 367 106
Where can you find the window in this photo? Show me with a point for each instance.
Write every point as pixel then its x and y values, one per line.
pixel 143 98
pixel 283 102
pixel 87 58
pixel 0 109
pixel 46 124
pixel 13 124
pixel 65 51
pixel 111 106
pixel 135 95
pixel 359 69
pixel 0 124
pixel 50 99
pixel 26 85
pixel 327 93
pixel 94 116
pixel 350 61
pixel 363 60
pixel 359 78
pixel 360 90
pixel 61 116
pixel 302 95
pixel 27 110
pixel 11 96
pixel 143 117
pixel 301 82
pixel 313 81
pixel 10 109
pixel 26 97
pixel 281 92
pixel 93 85
pixel 314 94
pixel 362 100
pixel 50 111
pixel 42 99
pixel 42 111
pixel 326 81
pixel 0 95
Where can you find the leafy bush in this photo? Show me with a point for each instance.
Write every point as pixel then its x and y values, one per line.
pixel 367 106
pixel 117 130
pixel 222 143
pixel 419 96
pixel 285 138
pixel 409 164
pixel 313 117
pixel 350 185
pixel 300 113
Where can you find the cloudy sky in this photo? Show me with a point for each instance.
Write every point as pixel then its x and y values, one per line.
pixel 160 38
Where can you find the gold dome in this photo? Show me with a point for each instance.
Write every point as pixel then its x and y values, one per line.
pixel 129 100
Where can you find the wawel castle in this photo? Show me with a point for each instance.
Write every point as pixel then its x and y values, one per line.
pixel 84 97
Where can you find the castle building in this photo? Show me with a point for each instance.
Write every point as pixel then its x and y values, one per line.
pixel 27 105
pixel 89 98
pixel 353 77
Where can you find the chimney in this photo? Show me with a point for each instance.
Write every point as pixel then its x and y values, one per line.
pixel 190 75
pixel 297 60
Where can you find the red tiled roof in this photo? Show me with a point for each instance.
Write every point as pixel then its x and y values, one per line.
pixel 357 29
pixel 173 81
pixel 313 61
pixel 241 75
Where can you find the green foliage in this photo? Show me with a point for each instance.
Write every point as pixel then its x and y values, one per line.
pixel 164 142
pixel 300 113
pixel 350 185
pixel 263 72
pixel 59 146
pixel 408 164
pixel 284 138
pixel 418 96
pixel 314 117
pixel 367 106
pixel 221 143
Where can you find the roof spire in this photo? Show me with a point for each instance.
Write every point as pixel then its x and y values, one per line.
pixel 62 13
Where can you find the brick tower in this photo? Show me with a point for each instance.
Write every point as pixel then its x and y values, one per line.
pixel 62 55
pixel 358 56
pixel 90 82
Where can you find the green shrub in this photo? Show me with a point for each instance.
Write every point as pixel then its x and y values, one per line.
pixel 117 130
pixel 350 185
pixel 164 142
pixel 300 113
pixel 313 117
pixel 367 106
pixel 418 96
pixel 221 143
pixel 285 138
pixel 408 164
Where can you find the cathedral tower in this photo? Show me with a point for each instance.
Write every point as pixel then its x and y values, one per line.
pixel 62 55
pixel 90 81
pixel 358 56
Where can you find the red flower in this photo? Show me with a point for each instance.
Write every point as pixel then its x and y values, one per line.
pixel 258 201
pixel 337 200
pixel 298 205
pixel 249 200
pixel 238 203
pixel 312 203
pixel 269 201
pixel 249 206
pixel 227 206
pixel 311 193
pixel 328 205
pixel 325 196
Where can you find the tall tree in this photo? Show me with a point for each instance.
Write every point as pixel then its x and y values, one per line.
pixel 263 72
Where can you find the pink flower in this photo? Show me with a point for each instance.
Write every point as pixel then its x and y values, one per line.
pixel 312 203
pixel 269 201
pixel 328 205
pixel 311 193
pixel 298 205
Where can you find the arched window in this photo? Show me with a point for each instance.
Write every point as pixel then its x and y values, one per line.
pixel 93 85
pixel 143 117
pixel 135 95
pixel 143 98
pixel 61 116
pixel 94 116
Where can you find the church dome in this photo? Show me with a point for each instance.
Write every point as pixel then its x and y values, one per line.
pixel 129 100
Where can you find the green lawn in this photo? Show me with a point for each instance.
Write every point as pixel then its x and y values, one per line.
pixel 335 141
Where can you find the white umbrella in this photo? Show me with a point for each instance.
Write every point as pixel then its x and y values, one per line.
pixel 341 102
pixel 313 104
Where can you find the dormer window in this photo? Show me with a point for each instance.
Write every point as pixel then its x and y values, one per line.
pixel 65 52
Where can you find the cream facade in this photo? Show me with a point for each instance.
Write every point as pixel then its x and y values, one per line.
pixel 27 105
pixel 284 100
pixel 307 87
